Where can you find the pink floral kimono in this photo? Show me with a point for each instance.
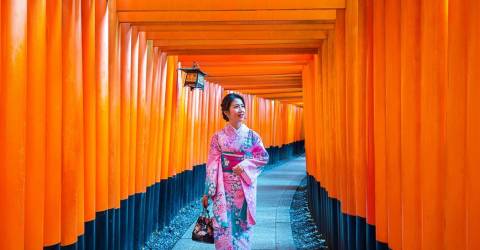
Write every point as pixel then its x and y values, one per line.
pixel 234 196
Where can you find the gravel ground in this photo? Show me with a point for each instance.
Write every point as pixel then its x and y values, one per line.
pixel 304 230
pixel 167 238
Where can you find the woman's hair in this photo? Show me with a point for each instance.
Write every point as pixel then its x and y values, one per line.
pixel 227 100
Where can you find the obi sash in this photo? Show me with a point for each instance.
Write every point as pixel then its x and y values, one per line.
pixel 230 160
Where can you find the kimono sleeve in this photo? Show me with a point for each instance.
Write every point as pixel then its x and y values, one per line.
pixel 259 157
pixel 213 162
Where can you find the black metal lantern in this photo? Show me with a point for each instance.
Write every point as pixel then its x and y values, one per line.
pixel 195 77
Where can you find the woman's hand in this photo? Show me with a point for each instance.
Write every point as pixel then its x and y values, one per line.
pixel 238 170
pixel 205 201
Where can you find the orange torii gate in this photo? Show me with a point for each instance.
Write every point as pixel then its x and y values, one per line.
pixel 98 136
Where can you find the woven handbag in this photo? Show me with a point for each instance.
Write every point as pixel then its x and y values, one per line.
pixel 203 230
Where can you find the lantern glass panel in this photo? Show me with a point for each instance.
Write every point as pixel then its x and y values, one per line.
pixel 191 77
pixel 200 80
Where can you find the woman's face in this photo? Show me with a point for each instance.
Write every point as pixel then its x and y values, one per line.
pixel 236 113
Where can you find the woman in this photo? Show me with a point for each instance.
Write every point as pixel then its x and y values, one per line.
pixel 234 160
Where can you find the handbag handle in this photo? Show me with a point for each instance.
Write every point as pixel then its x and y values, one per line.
pixel 206 213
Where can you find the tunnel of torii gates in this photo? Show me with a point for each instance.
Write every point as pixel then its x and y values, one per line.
pixel 100 143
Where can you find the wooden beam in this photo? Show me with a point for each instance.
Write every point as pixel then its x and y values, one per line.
pixel 295 102
pixel 260 80
pixel 288 99
pixel 292 76
pixel 242 63
pixel 210 26
pixel 247 46
pixel 257 70
pixel 291 101
pixel 255 91
pixel 261 86
pixel 244 58
pixel 269 51
pixel 255 78
pixel 238 35
pixel 260 76
pixel 253 83
pixel 129 5
pixel 281 95
pixel 216 42
pixel 250 85
pixel 226 15
pixel 246 22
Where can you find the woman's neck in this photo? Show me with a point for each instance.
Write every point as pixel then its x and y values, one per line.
pixel 236 125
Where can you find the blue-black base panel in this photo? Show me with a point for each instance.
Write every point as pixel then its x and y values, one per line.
pixel 129 227
pixel 342 231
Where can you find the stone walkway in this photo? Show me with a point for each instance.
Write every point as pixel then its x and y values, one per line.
pixel 276 188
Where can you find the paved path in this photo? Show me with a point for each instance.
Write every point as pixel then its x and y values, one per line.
pixel 275 192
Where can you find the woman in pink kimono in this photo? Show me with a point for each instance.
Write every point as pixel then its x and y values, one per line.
pixel 234 160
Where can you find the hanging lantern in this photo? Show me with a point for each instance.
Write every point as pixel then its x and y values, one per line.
pixel 195 77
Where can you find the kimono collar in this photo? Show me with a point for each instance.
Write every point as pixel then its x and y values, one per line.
pixel 231 130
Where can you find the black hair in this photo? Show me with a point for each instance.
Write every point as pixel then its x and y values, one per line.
pixel 227 100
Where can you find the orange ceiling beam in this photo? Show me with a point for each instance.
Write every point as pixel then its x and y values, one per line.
pixel 281 95
pixel 256 84
pixel 209 26
pixel 167 5
pixel 255 81
pixel 238 35
pixel 250 85
pixel 260 47
pixel 244 58
pixel 227 15
pixel 216 42
pixel 288 99
pixel 300 104
pixel 239 46
pixel 257 70
pixel 254 91
pixel 200 48
pixel 260 79
pixel 261 86
pixel 262 76
pixel 242 63
pixel 267 51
